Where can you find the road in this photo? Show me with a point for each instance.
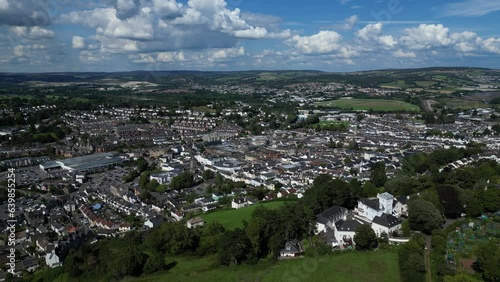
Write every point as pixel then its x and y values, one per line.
pixel 427 257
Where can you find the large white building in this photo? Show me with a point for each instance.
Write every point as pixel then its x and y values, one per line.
pixel 88 163
pixel 326 220
pixel 386 224
pixel 165 177
pixel 368 209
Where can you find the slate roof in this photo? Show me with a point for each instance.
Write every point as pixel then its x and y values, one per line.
pixel 295 247
pixel 347 225
pixel 372 203
pixel 156 220
pixel 387 220
pixel 195 220
pixel 332 214
pixel 402 199
pixel 386 196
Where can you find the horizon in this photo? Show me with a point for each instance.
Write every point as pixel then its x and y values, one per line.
pixel 259 70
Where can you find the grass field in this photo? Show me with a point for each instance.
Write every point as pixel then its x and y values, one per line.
pixel 204 109
pixel 397 84
pixel 349 267
pixel 462 103
pixel 367 104
pixel 232 218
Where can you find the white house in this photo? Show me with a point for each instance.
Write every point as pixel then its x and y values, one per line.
pixel 124 227
pixel 238 203
pixel 154 222
pixel 177 215
pixel 345 231
pixel 292 248
pixel 195 222
pixel 52 259
pixel 370 208
pixel 401 206
pixel 163 178
pixel 326 220
pixel 386 224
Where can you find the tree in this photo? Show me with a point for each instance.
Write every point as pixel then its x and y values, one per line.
pixel 277 186
pixel 474 207
pixel 207 175
pixel 183 180
pixel 234 248
pixel 152 185
pixel 378 175
pixel 154 263
pixel 423 216
pixel 448 196
pixel 144 179
pixel 365 238
pixel 130 262
pixel 210 238
pixel 460 278
pixel 488 260
pixel 72 264
pixel 142 165
pixel 405 228
pixel 411 260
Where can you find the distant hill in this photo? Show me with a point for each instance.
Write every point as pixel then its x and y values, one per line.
pixel 434 78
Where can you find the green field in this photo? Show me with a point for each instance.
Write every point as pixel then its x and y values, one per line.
pixel 396 84
pixel 353 266
pixel 204 109
pixel 232 218
pixel 456 103
pixel 367 104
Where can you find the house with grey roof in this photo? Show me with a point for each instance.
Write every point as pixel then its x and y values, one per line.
pixel 368 209
pixel 387 224
pixel 292 248
pixel 327 219
pixel 345 231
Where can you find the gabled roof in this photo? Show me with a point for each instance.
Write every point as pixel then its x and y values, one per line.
pixel 386 196
pixel 372 203
pixel 347 225
pixel 195 220
pixel 402 199
pixel 295 247
pixel 387 220
pixel 334 213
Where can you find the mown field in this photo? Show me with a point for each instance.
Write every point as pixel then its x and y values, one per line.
pixel 349 267
pixel 232 218
pixel 456 103
pixel 367 104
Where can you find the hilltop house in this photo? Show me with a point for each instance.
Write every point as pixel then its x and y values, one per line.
pixel 195 222
pixel 238 203
pixel 368 209
pixel 386 224
pixel 326 220
pixel 292 248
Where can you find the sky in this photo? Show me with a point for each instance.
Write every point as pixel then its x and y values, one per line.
pixel 223 35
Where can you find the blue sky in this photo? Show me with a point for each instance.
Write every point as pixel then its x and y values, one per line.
pixel 335 35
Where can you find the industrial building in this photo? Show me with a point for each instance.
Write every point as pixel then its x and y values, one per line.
pixel 89 163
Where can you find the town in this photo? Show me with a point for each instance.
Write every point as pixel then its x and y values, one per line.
pixel 102 171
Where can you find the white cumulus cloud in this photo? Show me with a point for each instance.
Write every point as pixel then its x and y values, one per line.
pixel 325 41
pixel 78 42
